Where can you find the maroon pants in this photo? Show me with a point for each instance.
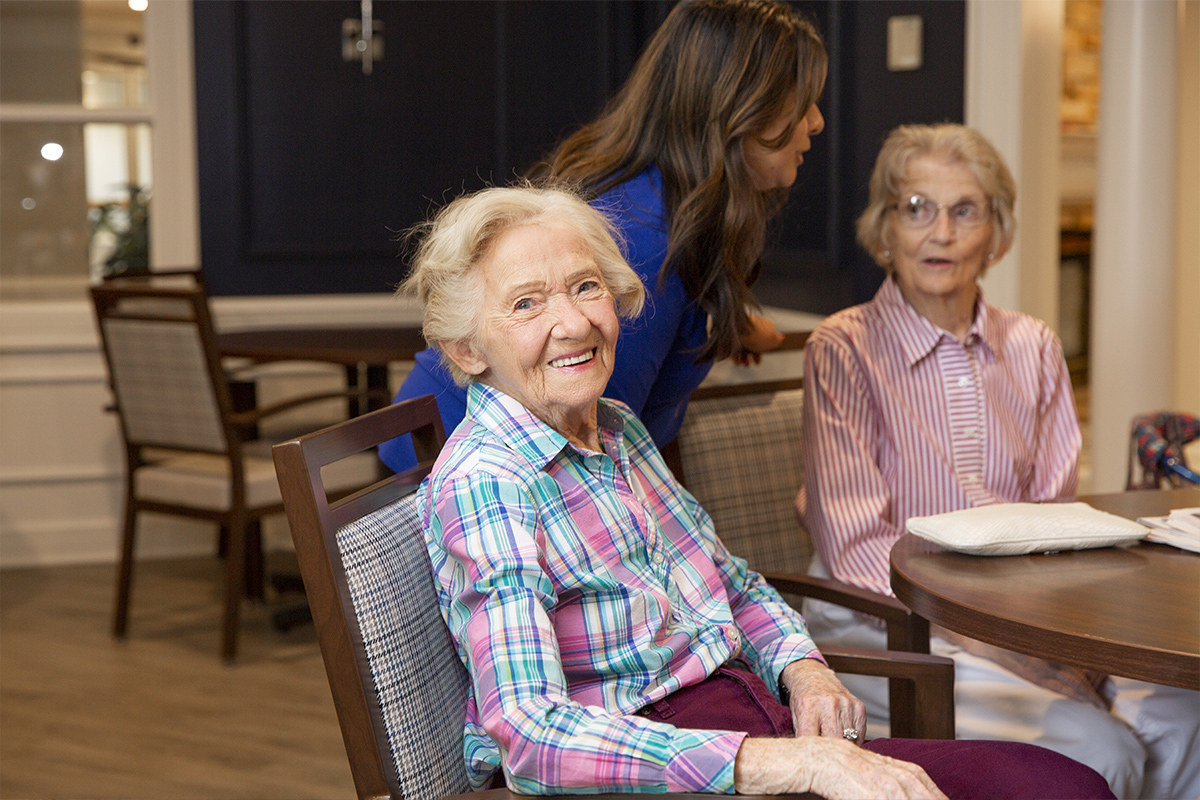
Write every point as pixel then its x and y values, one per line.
pixel 737 700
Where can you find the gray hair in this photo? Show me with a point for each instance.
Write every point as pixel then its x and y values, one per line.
pixel 452 245
pixel 955 143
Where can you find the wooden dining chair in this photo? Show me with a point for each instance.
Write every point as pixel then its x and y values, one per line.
pixel 398 685
pixel 188 451
pixel 741 455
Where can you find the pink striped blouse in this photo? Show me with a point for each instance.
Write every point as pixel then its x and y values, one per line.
pixel 902 420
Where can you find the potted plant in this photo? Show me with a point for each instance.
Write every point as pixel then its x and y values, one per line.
pixel 128 225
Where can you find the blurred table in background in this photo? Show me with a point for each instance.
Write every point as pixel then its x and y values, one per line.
pixel 364 351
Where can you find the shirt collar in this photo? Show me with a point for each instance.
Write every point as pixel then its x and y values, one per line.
pixel 919 337
pixel 520 429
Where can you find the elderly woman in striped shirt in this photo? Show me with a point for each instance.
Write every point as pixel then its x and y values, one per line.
pixel 927 400
pixel 612 642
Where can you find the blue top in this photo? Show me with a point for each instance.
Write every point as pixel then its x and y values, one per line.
pixel 655 368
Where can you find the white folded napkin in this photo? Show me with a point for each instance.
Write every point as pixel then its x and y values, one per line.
pixel 1009 529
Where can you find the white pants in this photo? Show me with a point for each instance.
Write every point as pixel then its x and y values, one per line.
pixel 1148 747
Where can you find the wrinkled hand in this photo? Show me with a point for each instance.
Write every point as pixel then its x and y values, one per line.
pixel 821 705
pixel 762 337
pixel 832 768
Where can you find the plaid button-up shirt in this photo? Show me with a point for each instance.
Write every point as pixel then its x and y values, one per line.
pixel 580 587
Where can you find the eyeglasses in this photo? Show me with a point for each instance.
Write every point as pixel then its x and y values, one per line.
pixel 918 211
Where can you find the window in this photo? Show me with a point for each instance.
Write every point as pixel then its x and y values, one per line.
pixel 75 132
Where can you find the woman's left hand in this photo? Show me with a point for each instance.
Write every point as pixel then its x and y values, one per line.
pixel 762 337
pixel 821 705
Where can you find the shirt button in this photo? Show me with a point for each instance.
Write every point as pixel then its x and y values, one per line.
pixel 971 433
pixel 659 558
pixel 964 381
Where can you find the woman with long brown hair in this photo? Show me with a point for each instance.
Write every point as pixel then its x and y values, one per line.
pixel 690 159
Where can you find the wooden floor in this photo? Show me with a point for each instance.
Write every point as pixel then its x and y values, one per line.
pixel 158 715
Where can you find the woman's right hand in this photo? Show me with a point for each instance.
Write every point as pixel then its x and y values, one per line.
pixel 832 768
pixel 761 337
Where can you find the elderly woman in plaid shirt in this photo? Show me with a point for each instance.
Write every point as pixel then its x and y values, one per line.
pixel 612 642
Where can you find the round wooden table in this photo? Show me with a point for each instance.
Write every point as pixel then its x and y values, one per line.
pixel 1131 611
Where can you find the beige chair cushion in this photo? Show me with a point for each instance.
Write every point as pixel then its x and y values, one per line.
pixel 198 480
pixel 742 460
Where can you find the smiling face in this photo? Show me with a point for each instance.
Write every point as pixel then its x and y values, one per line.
pixel 548 327
pixel 776 169
pixel 936 267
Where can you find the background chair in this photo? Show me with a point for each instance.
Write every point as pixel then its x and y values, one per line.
pixel 741 455
pixel 396 679
pixel 188 450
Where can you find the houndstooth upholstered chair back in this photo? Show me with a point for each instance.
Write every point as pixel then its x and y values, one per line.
pixel 415 672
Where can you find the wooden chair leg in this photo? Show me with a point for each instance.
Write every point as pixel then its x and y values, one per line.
pixel 125 571
pixel 934 697
pixel 235 583
pixel 254 560
pixel 910 636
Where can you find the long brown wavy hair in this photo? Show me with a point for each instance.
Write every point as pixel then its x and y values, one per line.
pixel 715 73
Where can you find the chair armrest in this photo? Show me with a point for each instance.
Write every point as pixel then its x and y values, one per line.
pixel 248 418
pixel 906 631
pixel 928 711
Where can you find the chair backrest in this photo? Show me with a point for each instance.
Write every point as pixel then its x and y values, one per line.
pixel 398 685
pixel 164 365
pixel 741 454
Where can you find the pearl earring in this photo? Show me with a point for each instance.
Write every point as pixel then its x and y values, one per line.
pixel 887 255
pixel 991 256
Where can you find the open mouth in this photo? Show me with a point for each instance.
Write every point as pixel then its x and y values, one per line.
pixel 571 361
